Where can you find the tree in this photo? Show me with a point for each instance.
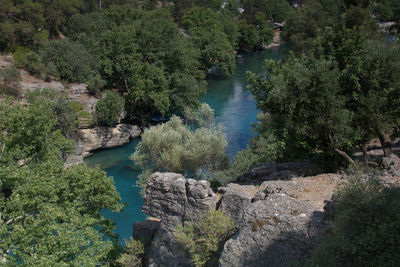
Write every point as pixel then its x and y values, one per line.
pixel 307 112
pixel 49 215
pixel 174 147
pixel 109 109
pixel 21 22
pixel 207 35
pixel 73 62
pixel 144 55
pixel 60 105
pixel 28 134
pixel 342 95
pixel 368 79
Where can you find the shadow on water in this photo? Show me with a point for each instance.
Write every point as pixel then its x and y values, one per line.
pixel 234 108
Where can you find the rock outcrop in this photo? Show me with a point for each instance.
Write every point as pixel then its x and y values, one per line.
pixel 276 220
pixel 174 200
pixel 275 229
pixel 97 138
pixel 145 229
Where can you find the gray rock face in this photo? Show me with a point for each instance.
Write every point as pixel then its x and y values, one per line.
pixel 104 137
pixel 274 226
pixel 39 84
pixel 235 199
pixel 145 229
pixel 174 200
pixel 274 231
pixel 78 89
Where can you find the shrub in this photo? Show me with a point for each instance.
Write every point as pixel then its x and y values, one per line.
pixel 73 62
pixel 200 117
pixel 59 103
pixel 204 239
pixel 366 226
pixel 109 108
pixel 133 253
pixel 33 63
pixel 174 147
pixel 9 81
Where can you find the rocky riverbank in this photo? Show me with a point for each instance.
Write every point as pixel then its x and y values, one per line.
pixel 276 220
pixel 88 138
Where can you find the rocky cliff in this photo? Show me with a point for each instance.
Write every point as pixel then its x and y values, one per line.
pixel 276 220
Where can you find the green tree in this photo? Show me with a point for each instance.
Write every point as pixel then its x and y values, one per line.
pixel 145 56
pixel 59 103
pixel 109 109
pixel 73 63
pixel 49 215
pixel 205 238
pixel 29 134
pixel 207 35
pixel 307 111
pixel 174 147
pixel 21 22
pixel 368 79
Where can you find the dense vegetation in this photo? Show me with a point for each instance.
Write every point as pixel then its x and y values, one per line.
pixel 333 99
pixel 156 56
pixel 178 147
pixel 146 58
pixel 49 215
pixel 366 225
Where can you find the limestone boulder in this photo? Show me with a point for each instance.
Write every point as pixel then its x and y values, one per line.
pixel 97 138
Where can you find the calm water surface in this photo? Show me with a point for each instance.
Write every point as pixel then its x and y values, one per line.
pixel 234 108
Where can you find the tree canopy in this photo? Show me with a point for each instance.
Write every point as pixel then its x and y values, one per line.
pixel 49 214
pixel 335 99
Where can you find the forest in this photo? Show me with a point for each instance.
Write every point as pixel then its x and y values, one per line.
pixel 338 88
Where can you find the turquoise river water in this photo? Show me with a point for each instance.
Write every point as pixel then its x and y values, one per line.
pixel 234 108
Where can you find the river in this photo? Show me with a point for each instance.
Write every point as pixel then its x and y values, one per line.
pixel 234 108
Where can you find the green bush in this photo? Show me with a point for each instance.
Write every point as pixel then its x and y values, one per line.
pixel 366 226
pixel 9 81
pixel 133 253
pixel 204 239
pixel 109 108
pixel 73 63
pixel 33 63
pixel 61 106
pixel 175 147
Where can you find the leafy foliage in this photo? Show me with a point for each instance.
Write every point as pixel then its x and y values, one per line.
pixel 134 253
pixel 205 238
pixel 9 81
pixel 49 215
pixel 73 62
pixel 207 34
pixel 174 147
pixel 29 134
pixel 59 103
pixel 339 97
pixel 109 108
pixel 365 225
pixel 203 116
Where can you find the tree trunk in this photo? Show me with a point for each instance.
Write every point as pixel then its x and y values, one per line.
pixel 99 4
pixel 365 153
pixel 385 143
pixel 344 155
